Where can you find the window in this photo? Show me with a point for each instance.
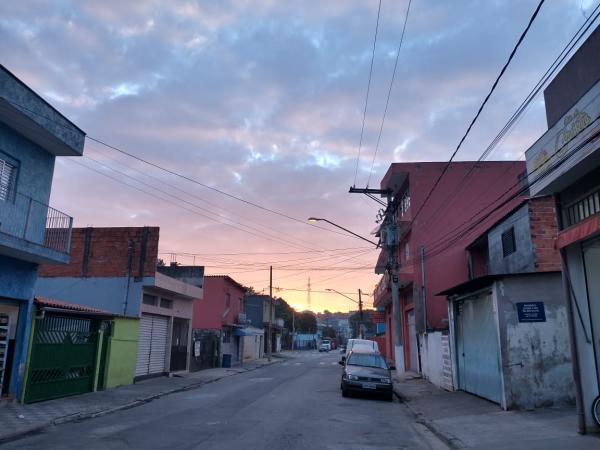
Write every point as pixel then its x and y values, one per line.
pixel 508 242
pixel 166 303
pixel 406 251
pixel 7 180
pixel 227 300
pixel 150 300
pixel 226 336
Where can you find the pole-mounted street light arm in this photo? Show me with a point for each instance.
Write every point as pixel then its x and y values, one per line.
pixel 315 219
pixel 343 295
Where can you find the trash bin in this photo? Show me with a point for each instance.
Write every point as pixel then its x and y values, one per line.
pixel 226 360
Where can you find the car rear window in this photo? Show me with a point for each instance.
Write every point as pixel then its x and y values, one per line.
pixel 367 360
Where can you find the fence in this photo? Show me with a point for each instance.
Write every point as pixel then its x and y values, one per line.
pixel 28 219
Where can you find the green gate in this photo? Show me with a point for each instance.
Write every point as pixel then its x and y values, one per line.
pixel 63 357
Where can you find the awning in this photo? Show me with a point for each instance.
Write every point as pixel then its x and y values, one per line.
pixel 249 331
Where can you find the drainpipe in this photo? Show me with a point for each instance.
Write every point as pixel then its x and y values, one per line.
pixel 129 267
pixel 566 281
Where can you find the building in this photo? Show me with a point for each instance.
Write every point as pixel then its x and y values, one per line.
pixel 565 162
pixel 258 310
pixel 428 260
pixel 32 135
pixel 115 270
pixel 218 314
pixel 508 323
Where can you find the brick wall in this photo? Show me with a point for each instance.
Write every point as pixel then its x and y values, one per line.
pixel 103 252
pixel 544 231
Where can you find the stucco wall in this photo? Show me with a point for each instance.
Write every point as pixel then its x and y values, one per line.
pixel 435 359
pixel 17 278
pixel 106 293
pixel 536 357
pixel 523 259
pixel 122 352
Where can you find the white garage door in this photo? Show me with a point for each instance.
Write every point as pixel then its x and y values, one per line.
pixel 152 345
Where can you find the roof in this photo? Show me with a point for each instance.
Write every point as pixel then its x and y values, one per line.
pixel 59 304
pixel 229 279
pixel 482 282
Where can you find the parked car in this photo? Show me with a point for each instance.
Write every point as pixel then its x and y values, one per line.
pixel 367 371
pixel 325 346
pixel 366 344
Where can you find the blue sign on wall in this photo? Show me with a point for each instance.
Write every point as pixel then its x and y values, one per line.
pixel 531 312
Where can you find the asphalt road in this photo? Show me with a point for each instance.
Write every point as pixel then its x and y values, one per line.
pixel 292 405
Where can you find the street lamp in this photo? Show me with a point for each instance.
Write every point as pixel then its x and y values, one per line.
pixel 316 219
pixel 360 309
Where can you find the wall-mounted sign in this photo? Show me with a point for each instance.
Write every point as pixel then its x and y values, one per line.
pixel 531 312
pixel 576 126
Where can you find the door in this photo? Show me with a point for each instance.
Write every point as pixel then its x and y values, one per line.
pixel 477 348
pixel 152 345
pixel 63 357
pixel 412 341
pixel 591 257
pixel 179 348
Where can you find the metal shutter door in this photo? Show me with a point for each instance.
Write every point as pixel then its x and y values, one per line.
pixel 158 350
pixel 143 351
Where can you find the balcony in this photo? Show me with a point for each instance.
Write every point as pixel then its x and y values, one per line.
pixel 33 231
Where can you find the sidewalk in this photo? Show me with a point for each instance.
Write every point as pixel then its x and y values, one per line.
pixel 465 421
pixel 17 420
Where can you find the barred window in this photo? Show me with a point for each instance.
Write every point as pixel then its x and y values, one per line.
pixel 7 179
pixel 509 245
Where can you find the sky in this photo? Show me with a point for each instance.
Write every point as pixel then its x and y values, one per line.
pixel 263 100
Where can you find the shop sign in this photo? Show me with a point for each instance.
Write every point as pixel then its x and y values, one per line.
pixel 574 127
pixel 531 312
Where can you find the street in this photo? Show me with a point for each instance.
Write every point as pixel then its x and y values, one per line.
pixel 294 404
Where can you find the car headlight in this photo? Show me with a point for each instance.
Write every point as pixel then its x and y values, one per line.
pixel 352 377
pixel 386 380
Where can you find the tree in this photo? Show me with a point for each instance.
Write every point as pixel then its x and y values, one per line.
pixel 354 321
pixel 306 322
pixel 329 332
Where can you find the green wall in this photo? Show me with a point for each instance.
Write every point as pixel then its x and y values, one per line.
pixel 122 352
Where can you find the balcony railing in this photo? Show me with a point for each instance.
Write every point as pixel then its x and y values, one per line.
pixel 35 222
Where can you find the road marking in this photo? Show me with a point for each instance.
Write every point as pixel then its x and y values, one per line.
pixel 334 363
pixel 261 380
pixel 297 364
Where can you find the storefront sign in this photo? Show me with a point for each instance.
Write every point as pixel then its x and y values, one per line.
pixel 578 124
pixel 531 312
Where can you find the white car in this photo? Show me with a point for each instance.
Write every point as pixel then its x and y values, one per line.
pixel 325 346
pixel 363 344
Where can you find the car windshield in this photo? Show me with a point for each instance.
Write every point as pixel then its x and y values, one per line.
pixel 367 360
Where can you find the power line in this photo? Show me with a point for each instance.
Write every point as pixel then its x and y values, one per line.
pixel 387 102
pixel 502 71
pixel 266 253
pixel 517 115
pixel 362 130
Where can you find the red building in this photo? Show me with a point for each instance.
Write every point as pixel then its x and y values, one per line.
pixel 219 310
pixel 431 248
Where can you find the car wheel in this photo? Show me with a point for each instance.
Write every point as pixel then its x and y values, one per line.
pixel 389 397
pixel 345 393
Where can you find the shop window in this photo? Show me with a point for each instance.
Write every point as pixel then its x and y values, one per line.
pixel 508 242
pixel 151 300
pixel 166 303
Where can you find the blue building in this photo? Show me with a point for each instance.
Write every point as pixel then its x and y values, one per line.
pixel 32 135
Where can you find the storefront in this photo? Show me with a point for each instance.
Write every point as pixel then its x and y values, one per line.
pixel 565 162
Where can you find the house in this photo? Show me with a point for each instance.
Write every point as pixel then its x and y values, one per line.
pixel 565 163
pixel 428 260
pixel 258 310
pixel 115 269
pixel 32 135
pixel 509 338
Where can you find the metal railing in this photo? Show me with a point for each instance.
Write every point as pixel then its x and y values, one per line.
pixel 33 221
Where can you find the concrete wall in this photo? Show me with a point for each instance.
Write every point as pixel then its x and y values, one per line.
pixel 523 259
pixel 17 278
pixel 106 293
pixel 536 358
pixel 435 359
pixel 574 80
pixel 122 352
pixel 253 347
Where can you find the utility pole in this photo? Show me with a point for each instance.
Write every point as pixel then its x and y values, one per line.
pixel 388 241
pixel 293 327
pixel 269 347
pixel 360 316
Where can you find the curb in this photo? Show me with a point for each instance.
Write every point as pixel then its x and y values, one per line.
pixel 448 439
pixel 81 416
